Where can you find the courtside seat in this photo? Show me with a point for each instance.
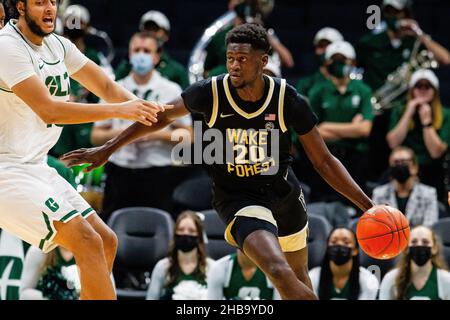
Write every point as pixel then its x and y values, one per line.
pixel 442 228
pixel 193 194
pixel 144 236
pixel 319 229
pixel 216 247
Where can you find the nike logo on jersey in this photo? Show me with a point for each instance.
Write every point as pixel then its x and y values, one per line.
pixel 226 115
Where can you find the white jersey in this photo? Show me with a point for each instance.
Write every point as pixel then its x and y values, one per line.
pixel 150 153
pixel 368 283
pixel 24 137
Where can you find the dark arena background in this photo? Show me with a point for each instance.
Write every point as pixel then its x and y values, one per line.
pixel 370 78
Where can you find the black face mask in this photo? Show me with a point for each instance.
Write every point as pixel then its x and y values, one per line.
pixel 339 254
pixel 392 23
pixel 339 69
pixel 74 34
pixel 400 172
pixel 186 243
pixel 420 254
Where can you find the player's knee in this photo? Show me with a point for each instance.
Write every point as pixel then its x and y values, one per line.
pixel 277 270
pixel 110 241
pixel 86 240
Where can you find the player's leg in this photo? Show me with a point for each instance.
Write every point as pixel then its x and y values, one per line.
pixel 108 236
pixel 298 260
pixel 257 238
pixel 79 237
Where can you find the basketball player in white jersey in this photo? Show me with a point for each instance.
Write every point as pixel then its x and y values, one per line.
pixel 35 203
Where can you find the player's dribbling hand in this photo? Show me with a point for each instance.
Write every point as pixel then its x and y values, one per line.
pixel 94 156
pixel 142 111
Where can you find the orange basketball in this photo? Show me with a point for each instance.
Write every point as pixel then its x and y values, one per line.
pixel 383 232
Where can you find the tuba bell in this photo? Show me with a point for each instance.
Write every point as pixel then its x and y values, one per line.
pixel 397 82
pixel 252 11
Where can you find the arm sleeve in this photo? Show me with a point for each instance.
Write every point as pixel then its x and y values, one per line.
pixel 314 275
pixel 366 103
pixel 431 211
pixel 31 274
pixel 387 286
pixel 16 64
pixel 298 113
pixel 157 280
pixel 369 285
pixel 198 97
pixel 395 117
pixel 74 59
pixel 216 279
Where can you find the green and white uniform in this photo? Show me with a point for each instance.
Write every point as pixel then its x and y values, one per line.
pixel 12 254
pixel 437 287
pixel 33 272
pixel 186 286
pixel 368 284
pixel 33 195
pixel 226 281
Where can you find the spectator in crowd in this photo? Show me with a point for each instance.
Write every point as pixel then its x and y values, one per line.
pixel 323 38
pixel 343 107
pixel 341 277
pixel 76 21
pixel 383 51
pixel 380 53
pixel 423 124
pixel 51 276
pixel 215 62
pixel 157 24
pixel 2 14
pixel 133 172
pixel 417 201
pixel 182 275
pixel 421 273
pixel 236 277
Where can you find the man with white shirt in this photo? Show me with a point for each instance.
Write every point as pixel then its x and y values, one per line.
pixel 36 204
pixel 142 173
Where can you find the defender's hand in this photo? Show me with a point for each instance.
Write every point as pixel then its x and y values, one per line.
pixel 94 156
pixel 142 111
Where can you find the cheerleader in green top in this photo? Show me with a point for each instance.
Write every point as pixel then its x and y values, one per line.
pixel 236 277
pixel 182 275
pixel 420 274
pixel 52 276
pixel 341 277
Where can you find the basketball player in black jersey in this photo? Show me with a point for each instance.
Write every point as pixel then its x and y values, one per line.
pixel 256 195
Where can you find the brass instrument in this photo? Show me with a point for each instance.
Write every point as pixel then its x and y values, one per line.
pixel 254 11
pixel 398 82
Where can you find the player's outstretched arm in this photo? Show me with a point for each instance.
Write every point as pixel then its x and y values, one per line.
pixel 332 170
pixel 33 92
pixel 93 78
pixel 98 156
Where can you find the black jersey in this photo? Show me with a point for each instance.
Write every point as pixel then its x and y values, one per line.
pixel 256 140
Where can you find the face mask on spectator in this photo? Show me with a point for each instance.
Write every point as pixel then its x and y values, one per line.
pixel 321 59
pixel 339 69
pixel 339 254
pixel 392 23
pixel 185 243
pixel 420 254
pixel 142 63
pixel 400 173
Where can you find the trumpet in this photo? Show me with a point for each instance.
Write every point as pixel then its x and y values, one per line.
pixel 397 83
